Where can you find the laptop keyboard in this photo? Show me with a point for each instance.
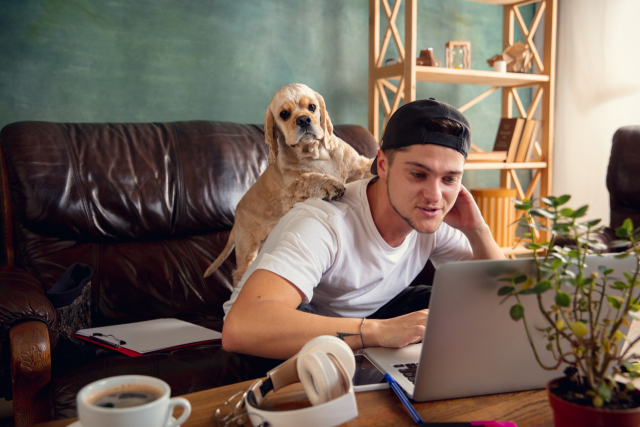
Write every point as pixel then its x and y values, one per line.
pixel 408 370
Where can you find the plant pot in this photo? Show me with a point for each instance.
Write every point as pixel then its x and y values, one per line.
pixel 567 414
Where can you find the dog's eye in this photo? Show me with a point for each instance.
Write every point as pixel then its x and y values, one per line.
pixel 284 115
pixel 312 108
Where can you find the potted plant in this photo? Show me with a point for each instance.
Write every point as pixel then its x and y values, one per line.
pixel 585 317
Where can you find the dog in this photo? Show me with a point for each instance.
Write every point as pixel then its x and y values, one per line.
pixel 305 160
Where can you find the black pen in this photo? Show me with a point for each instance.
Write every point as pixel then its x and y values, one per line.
pixel 104 341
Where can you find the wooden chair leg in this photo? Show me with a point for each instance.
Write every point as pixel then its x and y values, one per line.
pixel 30 373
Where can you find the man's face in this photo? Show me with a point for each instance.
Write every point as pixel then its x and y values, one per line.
pixel 423 183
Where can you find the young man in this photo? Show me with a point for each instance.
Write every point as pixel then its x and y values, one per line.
pixel 342 268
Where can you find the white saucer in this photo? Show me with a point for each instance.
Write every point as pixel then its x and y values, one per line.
pixel 78 424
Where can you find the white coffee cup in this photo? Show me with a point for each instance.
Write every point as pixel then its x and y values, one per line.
pixel 500 66
pixel 156 413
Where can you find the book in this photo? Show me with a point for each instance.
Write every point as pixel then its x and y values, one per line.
pixel 136 339
pixel 487 156
pixel 508 137
pixel 534 141
pixel 526 140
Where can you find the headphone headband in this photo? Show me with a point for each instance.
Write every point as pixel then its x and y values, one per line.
pixel 325 364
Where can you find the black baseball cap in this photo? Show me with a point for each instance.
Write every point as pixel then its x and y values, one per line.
pixel 408 126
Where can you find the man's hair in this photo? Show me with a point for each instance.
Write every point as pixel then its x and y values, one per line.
pixel 438 124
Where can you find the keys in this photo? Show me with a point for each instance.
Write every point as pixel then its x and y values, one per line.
pixel 408 370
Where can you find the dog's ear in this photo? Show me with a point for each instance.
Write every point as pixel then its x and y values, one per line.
pixel 270 136
pixel 325 123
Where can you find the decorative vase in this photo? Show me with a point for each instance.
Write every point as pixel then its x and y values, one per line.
pixel 567 414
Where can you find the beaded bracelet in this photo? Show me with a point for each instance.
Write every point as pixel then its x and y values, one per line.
pixel 361 326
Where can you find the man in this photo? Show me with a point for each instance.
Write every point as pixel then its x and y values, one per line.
pixel 343 268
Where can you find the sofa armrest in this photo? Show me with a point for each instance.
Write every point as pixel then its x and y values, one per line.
pixel 22 299
pixel 30 373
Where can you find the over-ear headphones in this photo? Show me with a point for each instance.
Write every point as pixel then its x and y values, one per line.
pixel 324 366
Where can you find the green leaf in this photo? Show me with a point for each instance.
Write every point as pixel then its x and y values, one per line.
pixel 593 222
pixel 541 212
pixel 628 225
pixel 517 312
pixel 563 299
pixel 622 255
pixel 505 290
pixel 542 286
pixel 568 212
pixel 622 232
pixel 563 199
pixel 604 270
pixel 574 254
pixel 619 285
pixel 616 302
pixel 578 328
pixel 556 263
pixel 519 278
pixel 580 212
pixel 551 201
pixel 604 392
pixel 531 246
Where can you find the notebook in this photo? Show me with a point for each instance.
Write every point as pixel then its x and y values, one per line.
pixel 136 339
pixel 471 346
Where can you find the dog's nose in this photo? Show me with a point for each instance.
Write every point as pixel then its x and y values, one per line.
pixel 303 121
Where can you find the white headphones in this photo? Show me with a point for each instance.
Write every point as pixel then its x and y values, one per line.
pixel 324 366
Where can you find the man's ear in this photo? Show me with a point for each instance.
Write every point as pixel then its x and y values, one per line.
pixel 270 136
pixel 325 123
pixel 382 163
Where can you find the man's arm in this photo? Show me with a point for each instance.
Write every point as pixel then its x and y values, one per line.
pixel 264 322
pixel 466 217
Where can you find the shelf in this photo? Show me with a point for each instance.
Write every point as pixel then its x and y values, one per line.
pixel 458 76
pixel 505 2
pixel 502 165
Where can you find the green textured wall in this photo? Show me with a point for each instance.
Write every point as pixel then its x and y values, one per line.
pixel 168 60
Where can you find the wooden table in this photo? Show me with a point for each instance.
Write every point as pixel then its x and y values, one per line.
pixel 383 408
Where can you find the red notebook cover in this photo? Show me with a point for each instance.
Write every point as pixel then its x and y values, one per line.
pixel 133 353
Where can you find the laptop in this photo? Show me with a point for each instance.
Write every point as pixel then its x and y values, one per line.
pixel 471 346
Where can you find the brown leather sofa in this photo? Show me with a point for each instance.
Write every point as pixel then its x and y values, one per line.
pixel 148 207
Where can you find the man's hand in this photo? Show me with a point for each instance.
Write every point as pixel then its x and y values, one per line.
pixel 466 217
pixel 465 214
pixel 396 332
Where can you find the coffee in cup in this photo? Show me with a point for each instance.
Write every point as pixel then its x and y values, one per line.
pixel 129 401
pixel 126 396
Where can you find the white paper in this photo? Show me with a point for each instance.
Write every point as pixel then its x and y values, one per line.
pixel 153 335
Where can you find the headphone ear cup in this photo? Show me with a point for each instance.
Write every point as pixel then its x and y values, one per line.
pixel 319 377
pixel 334 346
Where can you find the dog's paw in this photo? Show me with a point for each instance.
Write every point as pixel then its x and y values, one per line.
pixel 332 190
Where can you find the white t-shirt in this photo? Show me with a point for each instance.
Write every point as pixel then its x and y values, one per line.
pixel 333 252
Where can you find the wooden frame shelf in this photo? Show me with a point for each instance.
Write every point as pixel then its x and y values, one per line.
pixel 461 76
pixel 407 74
pixel 502 165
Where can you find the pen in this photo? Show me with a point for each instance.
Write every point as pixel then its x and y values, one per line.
pixel 105 341
pixel 396 388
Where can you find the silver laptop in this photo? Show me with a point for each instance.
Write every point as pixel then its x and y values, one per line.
pixel 471 346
